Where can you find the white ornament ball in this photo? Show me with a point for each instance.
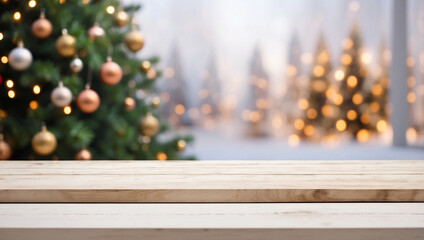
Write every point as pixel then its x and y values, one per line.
pixel 76 65
pixel 20 58
pixel 61 96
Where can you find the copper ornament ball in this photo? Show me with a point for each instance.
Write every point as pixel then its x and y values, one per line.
pixel 145 66
pixel 83 154
pixel 95 32
pixel 121 18
pixel 134 40
pixel 42 27
pixel 129 103
pixel 181 145
pixel 149 125
pixel 44 142
pixel 110 72
pixel 88 101
pixel 66 45
pixel 5 150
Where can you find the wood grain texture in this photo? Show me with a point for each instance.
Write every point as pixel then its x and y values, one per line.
pixel 299 221
pixel 212 181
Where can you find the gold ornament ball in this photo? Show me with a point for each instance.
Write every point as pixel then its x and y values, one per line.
pixel 149 125
pixel 66 45
pixel 121 18
pixel 155 102
pixel 88 101
pixel 181 145
pixel 110 72
pixel 83 154
pixel 95 32
pixel 129 103
pixel 134 40
pixel 5 150
pixel 44 142
pixel 145 66
pixel 42 28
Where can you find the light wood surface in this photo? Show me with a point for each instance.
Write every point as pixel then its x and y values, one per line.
pixel 300 221
pixel 212 181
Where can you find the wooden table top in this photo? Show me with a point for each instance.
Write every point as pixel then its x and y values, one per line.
pixel 211 181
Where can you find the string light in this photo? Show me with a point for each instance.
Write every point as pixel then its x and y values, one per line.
pixel 339 75
pixel 411 97
pixel 36 89
pixel 311 113
pixel 309 130
pixel 348 43
pixel 381 125
pixel 362 135
pixel 303 104
pixel 32 3
pixel 67 110
pixel 338 99
pixel 351 115
pixel 318 71
pixel 151 74
pixel 346 59
pixel 10 83
pixel 341 125
pixel 110 10
pixel 411 135
pixel 357 98
pixel 254 116
pixel 62 1
pixel 299 124
pixel 366 58
pixel 365 118
pixel 17 16
pixel 374 107
pixel 1 36
pixel 33 104
pixel 161 156
pixel 377 90
pixel 85 2
pixel 206 109
pixel 11 94
pixel 294 140
pixel 352 81
pixel 291 70
pixel 4 59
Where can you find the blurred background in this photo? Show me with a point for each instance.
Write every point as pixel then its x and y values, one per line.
pixel 281 79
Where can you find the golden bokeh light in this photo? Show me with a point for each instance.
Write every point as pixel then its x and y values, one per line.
pixel 151 74
pixel 311 113
pixel 36 89
pixel 161 156
pixel 323 57
pixel 319 86
pixel 331 91
pixel 338 99
pixel 10 83
pixel 341 125
pixel 339 75
pixel 110 10
pixel 67 110
pixel 352 81
pixel 203 93
pixel 33 104
pixel 410 62
pixel 309 130
pixel 255 116
pixel 374 107
pixel 346 59
pixel 327 110
pixel 169 72
pixel 261 103
pixel 410 81
pixel 411 97
pixel 366 58
pixel 299 124
pixel 377 90
pixel 357 98
pixel 32 3
pixel 303 104
pixel 381 125
pixel 17 16
pixel 351 115
pixel 347 43
pixel 294 140
pixel 277 122
pixel 362 136
pixel 11 94
pixel 206 109
pixel 318 71
pixel 4 59
pixel 179 109
pixel 411 135
pixel 1 36
pixel 365 118
pixel 291 70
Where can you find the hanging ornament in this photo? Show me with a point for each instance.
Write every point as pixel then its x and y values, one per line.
pixel 42 27
pixel 76 65
pixel 66 44
pixel 110 72
pixel 149 125
pixel 61 96
pixel 155 102
pixel 83 154
pixel 145 66
pixel 5 150
pixel 129 103
pixel 88 101
pixel 134 40
pixel 95 32
pixel 20 58
pixel 121 18
pixel 44 142
pixel 181 145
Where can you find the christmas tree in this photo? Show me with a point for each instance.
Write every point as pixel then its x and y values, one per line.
pixel 353 97
pixel 316 121
pixel 71 67
pixel 210 94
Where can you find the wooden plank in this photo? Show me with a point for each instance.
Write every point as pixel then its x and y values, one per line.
pixel 223 182
pixel 348 221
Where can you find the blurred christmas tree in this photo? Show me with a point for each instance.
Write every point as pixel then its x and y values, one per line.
pixel 315 122
pixel 75 49
pixel 353 96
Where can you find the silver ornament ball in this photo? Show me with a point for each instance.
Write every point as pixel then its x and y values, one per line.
pixel 61 96
pixel 20 58
pixel 76 65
